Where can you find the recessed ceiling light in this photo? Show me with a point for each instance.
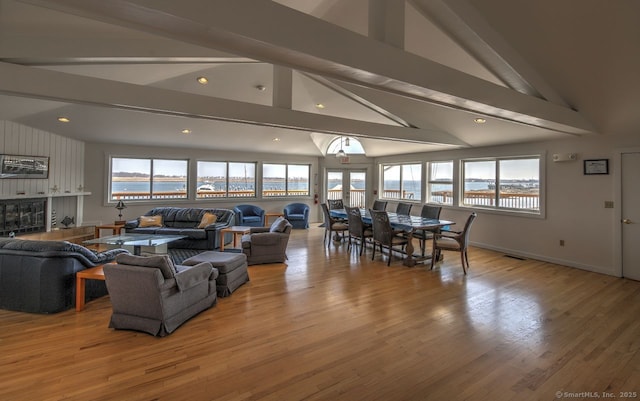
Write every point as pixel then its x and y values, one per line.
pixel 202 80
pixel 276 139
pixel 63 119
pixel 261 88
pixel 479 120
pixel 319 105
pixel 186 131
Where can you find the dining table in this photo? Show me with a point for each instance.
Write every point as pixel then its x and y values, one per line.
pixel 407 223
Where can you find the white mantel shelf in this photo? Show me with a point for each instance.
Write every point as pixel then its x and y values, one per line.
pixel 50 195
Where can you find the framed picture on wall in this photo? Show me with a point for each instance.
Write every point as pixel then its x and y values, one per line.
pixel 596 166
pixel 14 166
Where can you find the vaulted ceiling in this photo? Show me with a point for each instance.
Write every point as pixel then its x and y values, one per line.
pixel 401 76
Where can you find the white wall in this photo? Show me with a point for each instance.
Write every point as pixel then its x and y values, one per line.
pixel 66 164
pixel 98 210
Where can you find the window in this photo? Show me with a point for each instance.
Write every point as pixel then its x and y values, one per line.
pixel 351 146
pixel 402 181
pixel 226 180
pixel 440 184
pixel 512 183
pixel 148 179
pixel 285 180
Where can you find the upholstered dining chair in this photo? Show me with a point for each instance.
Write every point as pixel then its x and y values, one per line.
pixel 403 208
pixel 332 225
pixel 384 235
pixel 379 205
pixel 427 212
pixel 457 241
pixel 358 231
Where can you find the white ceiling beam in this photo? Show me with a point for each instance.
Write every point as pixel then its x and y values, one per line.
pixel 267 31
pixel 387 21
pixel 468 28
pixel 53 85
pixel 282 87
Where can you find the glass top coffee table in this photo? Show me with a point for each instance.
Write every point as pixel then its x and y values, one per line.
pixel 151 243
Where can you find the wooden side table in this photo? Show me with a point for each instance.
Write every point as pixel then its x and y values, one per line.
pixel 236 231
pixel 93 273
pixel 268 215
pixel 115 229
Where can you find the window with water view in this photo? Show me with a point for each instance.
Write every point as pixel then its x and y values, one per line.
pixel 402 181
pixel 142 179
pixel 512 183
pixel 285 180
pixel 226 180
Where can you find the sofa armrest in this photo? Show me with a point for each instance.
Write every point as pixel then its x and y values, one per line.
pixel 255 230
pixel 193 275
pixel 131 224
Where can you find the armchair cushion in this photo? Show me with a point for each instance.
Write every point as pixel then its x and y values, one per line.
pixel 162 262
pixel 279 225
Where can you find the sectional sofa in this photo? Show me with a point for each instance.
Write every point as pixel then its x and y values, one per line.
pixel 39 276
pixel 191 222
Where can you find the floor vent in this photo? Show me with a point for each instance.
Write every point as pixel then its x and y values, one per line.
pixel 514 257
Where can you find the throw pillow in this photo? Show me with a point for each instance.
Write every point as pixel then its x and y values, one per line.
pixel 151 221
pixel 162 262
pixel 207 219
pixel 279 225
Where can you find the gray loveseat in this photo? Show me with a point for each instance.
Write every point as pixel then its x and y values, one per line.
pixel 39 276
pixel 185 221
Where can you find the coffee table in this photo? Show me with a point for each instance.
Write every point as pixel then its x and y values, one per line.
pixel 136 243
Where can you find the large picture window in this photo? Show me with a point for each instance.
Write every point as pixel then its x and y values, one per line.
pixel 226 180
pixel 502 183
pixel 402 181
pixel 440 183
pixel 146 179
pixel 285 180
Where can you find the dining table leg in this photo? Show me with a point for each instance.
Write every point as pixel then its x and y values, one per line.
pixel 409 261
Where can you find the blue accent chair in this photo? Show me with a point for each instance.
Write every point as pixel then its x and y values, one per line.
pixel 297 214
pixel 249 215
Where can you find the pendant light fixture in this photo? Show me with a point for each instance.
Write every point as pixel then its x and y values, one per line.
pixel 341 152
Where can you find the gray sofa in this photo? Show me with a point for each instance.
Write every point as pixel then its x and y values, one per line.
pixel 184 221
pixel 39 276
pixel 152 295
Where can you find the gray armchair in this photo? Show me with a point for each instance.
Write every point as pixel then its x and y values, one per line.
pixel 152 295
pixel 267 244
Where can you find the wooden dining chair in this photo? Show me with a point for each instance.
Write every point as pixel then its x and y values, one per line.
pixel 403 208
pixel 358 231
pixel 332 225
pixel 457 241
pixel 384 235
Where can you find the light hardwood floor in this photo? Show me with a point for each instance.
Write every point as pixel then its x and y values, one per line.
pixel 332 326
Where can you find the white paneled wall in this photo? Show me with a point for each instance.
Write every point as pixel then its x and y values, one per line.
pixel 66 166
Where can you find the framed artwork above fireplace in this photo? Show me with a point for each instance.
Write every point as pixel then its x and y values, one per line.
pixel 16 166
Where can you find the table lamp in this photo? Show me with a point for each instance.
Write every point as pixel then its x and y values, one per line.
pixel 120 206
